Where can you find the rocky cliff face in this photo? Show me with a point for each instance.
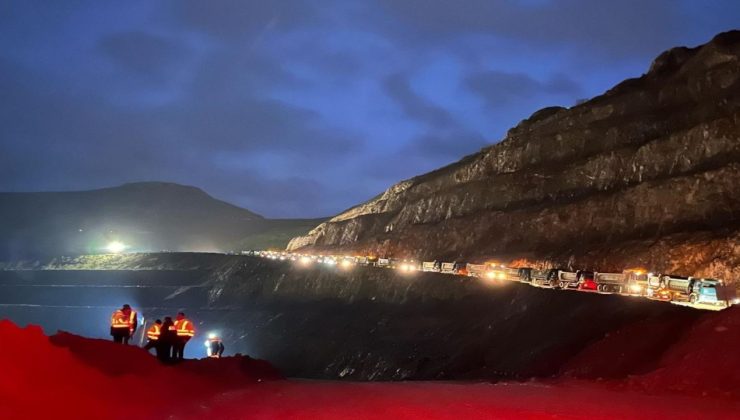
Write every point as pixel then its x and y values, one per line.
pixel 645 174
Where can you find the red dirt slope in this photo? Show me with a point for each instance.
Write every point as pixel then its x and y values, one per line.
pixel 670 356
pixel 67 376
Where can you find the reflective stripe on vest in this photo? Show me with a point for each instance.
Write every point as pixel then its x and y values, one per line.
pixel 132 320
pixel 118 320
pixel 153 332
pixel 184 328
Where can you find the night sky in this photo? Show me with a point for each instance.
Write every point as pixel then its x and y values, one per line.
pixel 303 108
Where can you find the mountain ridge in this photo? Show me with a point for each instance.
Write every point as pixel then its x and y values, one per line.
pixel 653 157
pixel 144 216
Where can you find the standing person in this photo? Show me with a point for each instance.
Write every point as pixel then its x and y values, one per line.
pixel 152 335
pixel 123 324
pixel 185 331
pixel 167 339
pixel 214 346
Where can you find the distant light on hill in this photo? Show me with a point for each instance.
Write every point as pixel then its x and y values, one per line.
pixel 116 247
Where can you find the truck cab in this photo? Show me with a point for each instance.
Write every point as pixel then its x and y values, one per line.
pixel 586 280
pixel 712 292
pixel 544 278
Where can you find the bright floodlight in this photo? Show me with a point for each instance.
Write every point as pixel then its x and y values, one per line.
pixel 116 247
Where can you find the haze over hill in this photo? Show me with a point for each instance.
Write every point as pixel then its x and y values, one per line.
pixel 646 174
pixel 147 216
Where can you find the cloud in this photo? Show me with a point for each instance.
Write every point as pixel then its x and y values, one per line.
pixel 442 135
pixel 235 18
pixel 414 106
pixel 143 54
pixel 621 28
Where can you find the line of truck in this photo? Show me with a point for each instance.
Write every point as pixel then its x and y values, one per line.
pixel 695 291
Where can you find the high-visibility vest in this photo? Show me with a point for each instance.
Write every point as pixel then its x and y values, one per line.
pixel 153 332
pixel 119 320
pixel 184 328
pixel 132 320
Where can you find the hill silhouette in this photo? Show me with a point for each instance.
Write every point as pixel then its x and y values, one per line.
pixel 146 216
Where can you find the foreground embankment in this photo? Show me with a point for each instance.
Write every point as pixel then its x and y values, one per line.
pixel 67 376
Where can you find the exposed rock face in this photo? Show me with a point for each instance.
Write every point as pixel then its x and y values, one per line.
pixel 651 166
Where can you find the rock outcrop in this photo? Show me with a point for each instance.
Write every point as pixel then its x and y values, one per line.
pixel 646 174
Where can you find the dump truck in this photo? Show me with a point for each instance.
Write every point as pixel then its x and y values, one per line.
pixel 477 270
pixel 432 266
pixel 409 265
pixel 691 289
pixel 504 273
pixel 628 282
pixel 448 268
pixel 544 278
pixel 580 279
pixel 712 292
pixel 567 279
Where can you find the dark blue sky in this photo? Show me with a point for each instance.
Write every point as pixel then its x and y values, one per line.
pixel 303 108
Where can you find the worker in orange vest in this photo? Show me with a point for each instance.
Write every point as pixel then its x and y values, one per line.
pixel 152 334
pixel 185 331
pixel 123 324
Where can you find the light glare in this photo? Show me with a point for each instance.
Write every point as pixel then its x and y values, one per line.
pixel 116 247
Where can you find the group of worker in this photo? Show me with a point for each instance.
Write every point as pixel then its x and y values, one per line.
pixel 168 338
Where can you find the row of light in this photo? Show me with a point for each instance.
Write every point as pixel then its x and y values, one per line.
pixel 346 263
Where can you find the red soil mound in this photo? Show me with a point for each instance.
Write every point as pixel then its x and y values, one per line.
pixel 705 361
pixel 669 355
pixel 67 375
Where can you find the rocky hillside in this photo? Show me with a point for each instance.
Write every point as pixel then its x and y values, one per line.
pixel 645 174
pixel 146 216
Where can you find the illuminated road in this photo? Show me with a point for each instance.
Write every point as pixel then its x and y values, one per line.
pixel 494 273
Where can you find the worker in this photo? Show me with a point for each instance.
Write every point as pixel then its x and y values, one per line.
pixel 214 346
pixel 123 324
pixel 152 335
pixel 185 331
pixel 167 340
